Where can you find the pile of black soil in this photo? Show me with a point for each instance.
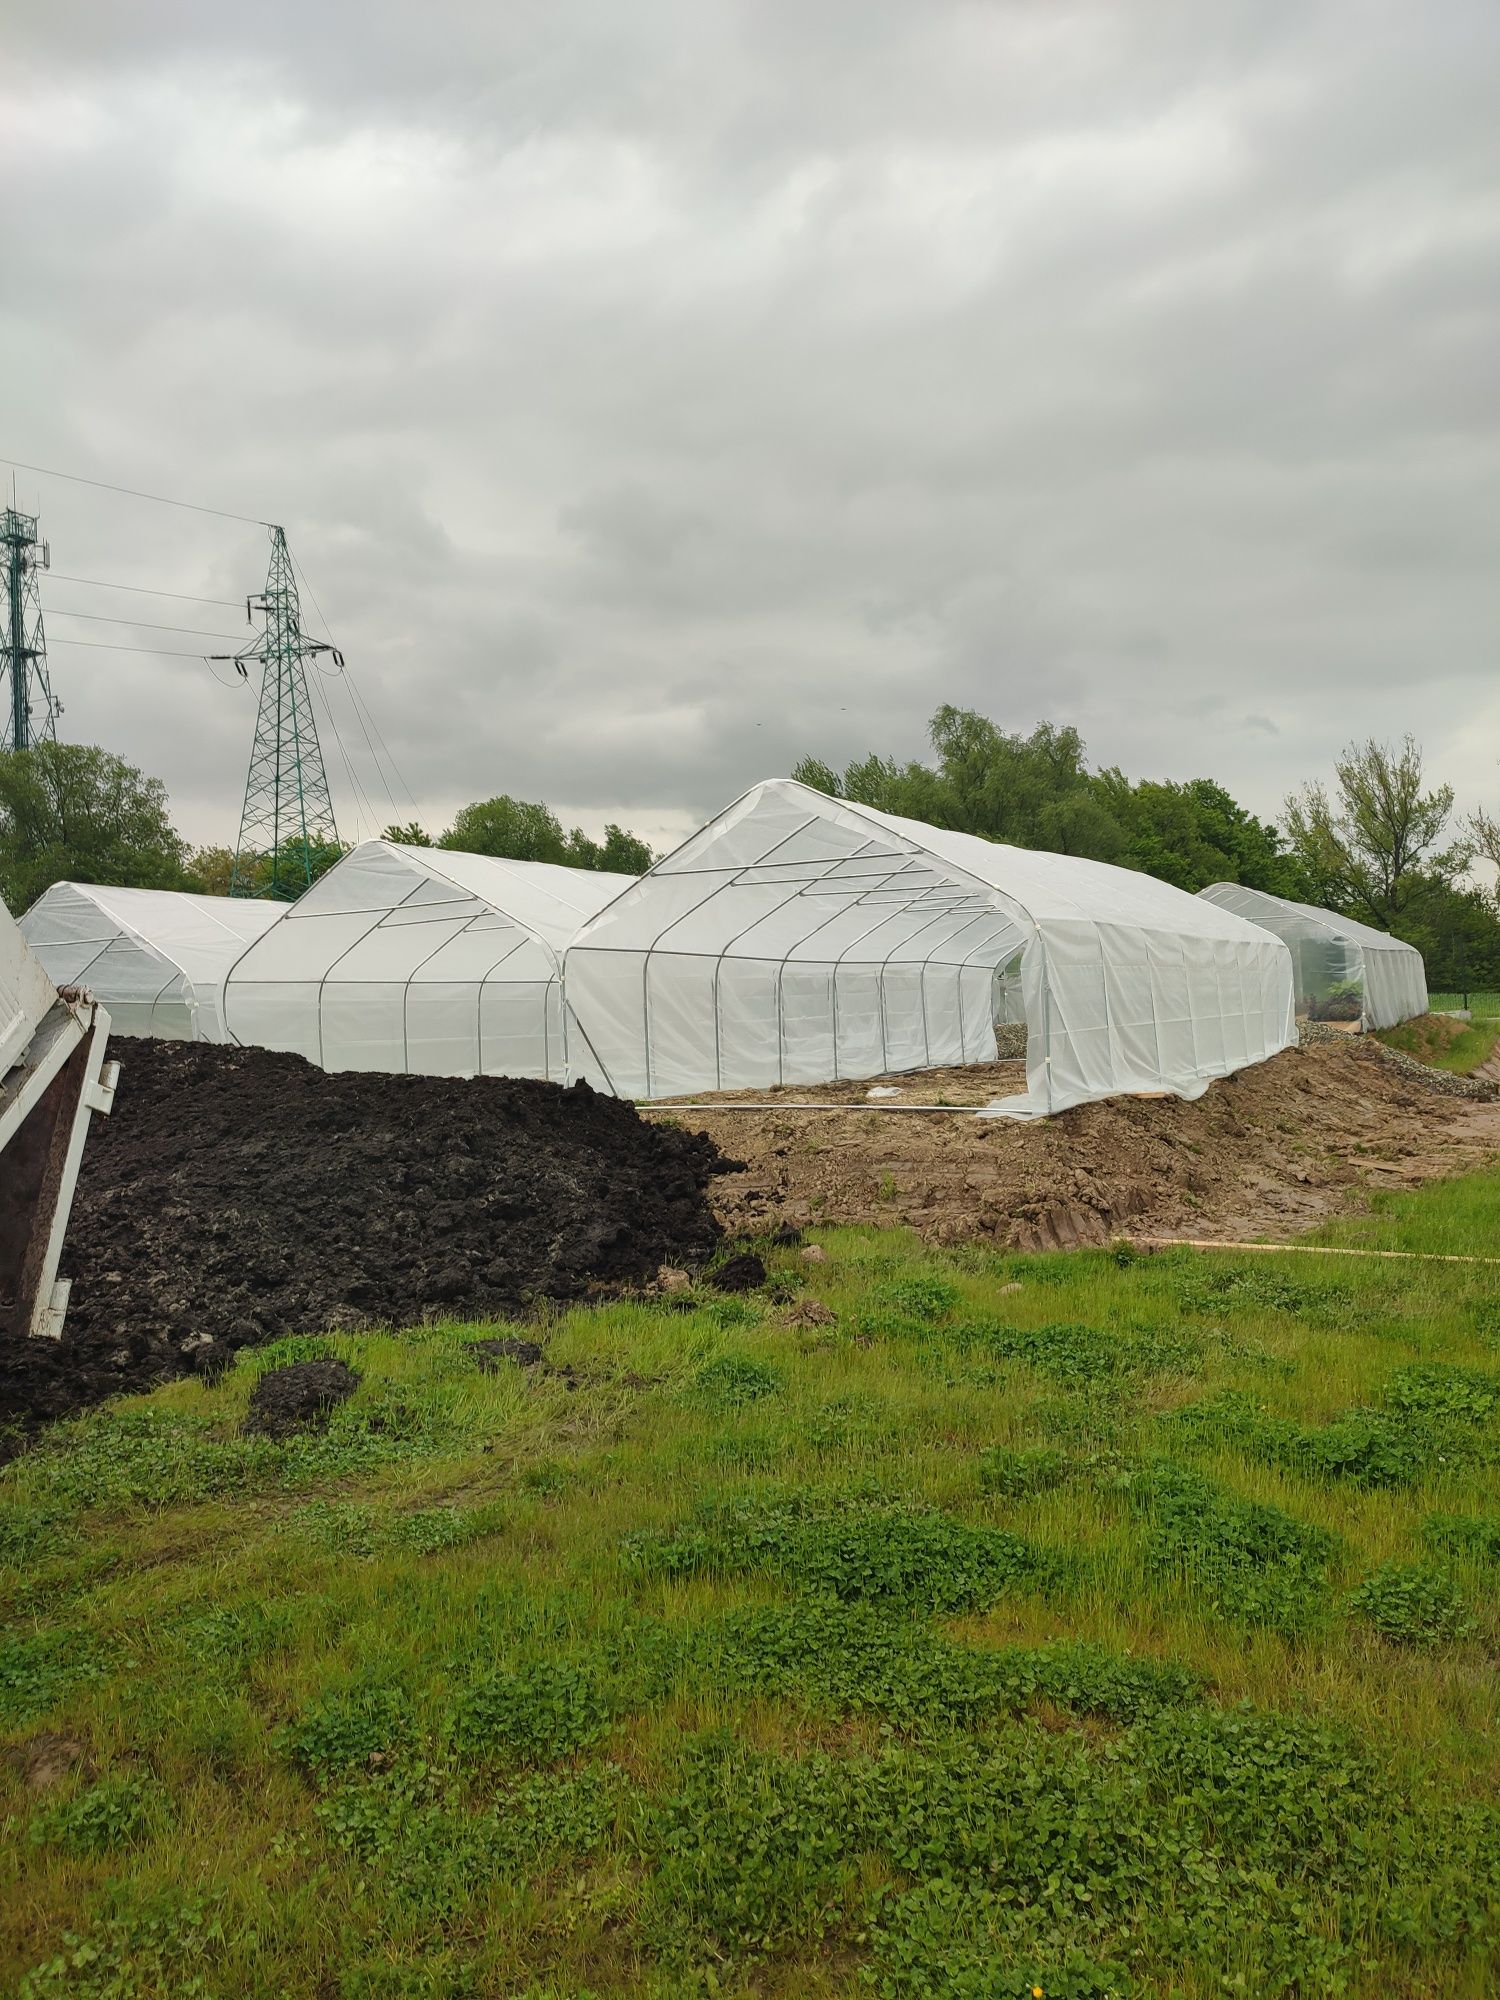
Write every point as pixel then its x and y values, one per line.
pixel 298 1397
pixel 235 1194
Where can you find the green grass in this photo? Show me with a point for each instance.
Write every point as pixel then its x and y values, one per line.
pixel 1132 1633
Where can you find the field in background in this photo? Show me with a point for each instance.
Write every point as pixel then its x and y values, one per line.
pixel 1477 1003
pixel 931 1624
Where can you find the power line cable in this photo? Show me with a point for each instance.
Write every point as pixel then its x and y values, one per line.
pixel 183 596
pixel 134 492
pixel 145 624
pixel 358 703
pixel 104 646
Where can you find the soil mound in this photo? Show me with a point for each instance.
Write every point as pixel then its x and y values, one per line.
pixel 236 1194
pixel 1269 1150
pixel 738 1274
pixel 298 1397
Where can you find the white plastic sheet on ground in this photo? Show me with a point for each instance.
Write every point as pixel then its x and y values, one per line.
pixel 1334 957
pixel 800 939
pixel 420 959
pixel 154 958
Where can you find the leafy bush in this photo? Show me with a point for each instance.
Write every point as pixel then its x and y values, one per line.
pixel 100 1818
pixel 532 1715
pixel 899 1555
pixel 1019 1473
pixel 1412 1604
pixel 1250 1562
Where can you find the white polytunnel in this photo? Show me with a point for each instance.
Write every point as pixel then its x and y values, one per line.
pixel 155 958
pixel 800 939
pixel 420 959
pixel 1344 970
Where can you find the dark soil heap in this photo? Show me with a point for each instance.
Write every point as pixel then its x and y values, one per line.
pixel 298 1397
pixel 236 1194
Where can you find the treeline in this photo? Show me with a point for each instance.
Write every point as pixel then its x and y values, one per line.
pixel 74 812
pixel 1371 847
pixel 1377 843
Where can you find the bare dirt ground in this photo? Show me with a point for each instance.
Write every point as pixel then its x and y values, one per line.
pixel 1266 1152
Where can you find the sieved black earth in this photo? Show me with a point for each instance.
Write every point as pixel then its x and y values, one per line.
pixel 235 1194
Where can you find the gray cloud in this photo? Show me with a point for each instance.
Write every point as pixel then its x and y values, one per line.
pixel 653 395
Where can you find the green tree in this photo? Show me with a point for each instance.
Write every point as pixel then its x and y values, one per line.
pixel 411 835
pixel 1194 833
pixel 74 812
pixel 1364 850
pixel 518 830
pixel 210 870
pixel 512 829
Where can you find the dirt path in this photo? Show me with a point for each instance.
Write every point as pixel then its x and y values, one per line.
pixel 1267 1152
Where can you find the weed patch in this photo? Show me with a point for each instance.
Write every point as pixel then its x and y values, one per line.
pixel 1254 1847
pixel 1367 1447
pixel 1412 1604
pixel 532 1715
pixel 855 1659
pixel 1246 1561
pixel 897 1555
pixel 169 1944
pixel 1017 1474
pixel 37 1673
pixel 116 1812
pixel 732 1381
pixel 1476 1536
pixel 1078 1356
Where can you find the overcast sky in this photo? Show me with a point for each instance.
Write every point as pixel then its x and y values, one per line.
pixel 656 392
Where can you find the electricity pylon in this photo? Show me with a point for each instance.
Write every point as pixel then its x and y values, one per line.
pixel 31 709
pixel 287 811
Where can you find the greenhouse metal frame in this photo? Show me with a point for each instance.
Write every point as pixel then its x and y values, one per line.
pixel 157 959
pixel 799 938
pixel 1344 970
pixel 422 960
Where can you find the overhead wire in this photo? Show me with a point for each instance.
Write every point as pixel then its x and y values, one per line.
pixel 145 624
pixel 141 590
pixel 104 645
pixel 362 711
pixel 134 492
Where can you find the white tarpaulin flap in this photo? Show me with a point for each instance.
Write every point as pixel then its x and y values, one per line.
pixel 420 959
pixel 801 939
pixel 1344 970
pixel 156 959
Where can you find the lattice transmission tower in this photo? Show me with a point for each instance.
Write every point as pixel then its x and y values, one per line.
pixel 288 813
pixel 31 709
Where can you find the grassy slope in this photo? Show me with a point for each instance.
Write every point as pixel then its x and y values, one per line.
pixel 1446 1044
pixel 447 1702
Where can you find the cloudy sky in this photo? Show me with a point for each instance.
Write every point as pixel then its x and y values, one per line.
pixel 654 393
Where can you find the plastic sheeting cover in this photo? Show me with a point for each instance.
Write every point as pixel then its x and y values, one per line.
pixel 155 958
pixel 420 959
pixel 799 939
pixel 1344 969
